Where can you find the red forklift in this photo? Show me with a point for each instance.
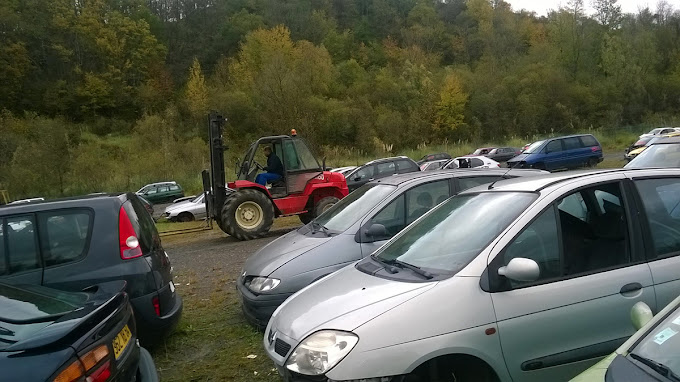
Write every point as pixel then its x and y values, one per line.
pixel 245 209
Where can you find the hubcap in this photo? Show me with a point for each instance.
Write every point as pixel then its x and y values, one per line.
pixel 327 206
pixel 249 215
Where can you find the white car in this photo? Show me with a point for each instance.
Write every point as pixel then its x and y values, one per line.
pixel 344 170
pixel 471 161
pixel 187 210
pixel 660 131
pixel 433 165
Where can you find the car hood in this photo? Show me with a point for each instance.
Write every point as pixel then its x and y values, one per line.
pixel 179 206
pixel 280 251
pixel 344 300
pixel 519 158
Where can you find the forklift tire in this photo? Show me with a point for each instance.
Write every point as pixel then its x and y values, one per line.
pixel 247 214
pixel 324 204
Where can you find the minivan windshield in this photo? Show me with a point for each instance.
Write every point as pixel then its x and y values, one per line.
pixel 533 148
pixel 451 235
pixel 352 207
pixel 661 345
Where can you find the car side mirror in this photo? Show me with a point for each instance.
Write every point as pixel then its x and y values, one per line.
pixel 376 231
pixel 520 269
pixel 357 178
pixel 640 314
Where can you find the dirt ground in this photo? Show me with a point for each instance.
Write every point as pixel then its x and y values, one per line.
pixel 213 342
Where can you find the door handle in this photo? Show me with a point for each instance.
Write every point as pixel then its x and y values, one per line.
pixel 632 287
pixel 370 180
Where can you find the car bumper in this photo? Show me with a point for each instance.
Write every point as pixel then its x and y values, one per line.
pixel 288 376
pixel 147 368
pixel 259 308
pixel 152 328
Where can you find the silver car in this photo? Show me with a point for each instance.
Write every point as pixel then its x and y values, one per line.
pixel 350 230
pixel 187 210
pixel 529 279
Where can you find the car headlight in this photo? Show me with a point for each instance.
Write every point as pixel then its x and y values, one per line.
pixel 262 284
pixel 319 352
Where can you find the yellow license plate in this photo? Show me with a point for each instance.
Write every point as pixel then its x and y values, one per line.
pixel 121 341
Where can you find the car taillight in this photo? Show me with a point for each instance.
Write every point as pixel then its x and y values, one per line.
pixel 595 148
pixel 127 237
pixel 156 305
pixel 85 365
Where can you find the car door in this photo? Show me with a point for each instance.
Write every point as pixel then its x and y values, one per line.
pixel 152 195
pixel 574 153
pixel 163 194
pixel 402 211
pixel 553 155
pixel 591 274
pixel 360 177
pixel 20 251
pixel 660 199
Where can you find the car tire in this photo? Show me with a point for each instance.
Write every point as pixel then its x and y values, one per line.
pixel 538 166
pixel 456 373
pixel 592 162
pixel 247 214
pixel 185 217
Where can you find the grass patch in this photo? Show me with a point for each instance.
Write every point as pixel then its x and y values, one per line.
pixel 212 341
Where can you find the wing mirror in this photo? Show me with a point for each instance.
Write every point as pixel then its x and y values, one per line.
pixel 640 314
pixel 521 269
pixel 376 231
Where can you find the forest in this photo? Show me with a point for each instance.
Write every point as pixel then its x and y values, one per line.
pixel 106 95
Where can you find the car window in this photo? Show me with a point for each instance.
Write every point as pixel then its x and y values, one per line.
pixel 657 155
pixel 151 191
pixel 385 169
pixel 3 259
pixel 64 235
pixel 306 158
pixel 666 131
pixel 174 188
pixel 404 166
pixel 392 216
pixel 422 198
pixel 553 146
pixel 533 148
pixel 473 181
pixel 661 200
pixel 592 233
pixel 363 173
pixel 452 164
pixel 589 140
pixel 142 224
pixel 476 162
pixel 349 209
pixel 22 244
pixel 571 143
pixel 163 189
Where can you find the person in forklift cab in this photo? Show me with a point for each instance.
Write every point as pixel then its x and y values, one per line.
pixel 274 168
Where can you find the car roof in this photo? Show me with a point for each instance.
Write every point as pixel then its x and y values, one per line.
pixel 539 182
pixel 398 179
pixel 72 201
pixel 567 136
pixel 666 140
pixel 387 159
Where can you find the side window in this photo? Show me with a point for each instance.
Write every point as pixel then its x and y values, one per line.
pixel 473 181
pixel 405 166
pixel 385 169
pixel 422 198
pixel 151 190
pixel 553 146
pixel 364 173
pixel 452 165
pixel 572 143
pixel 305 156
pixel 589 140
pixel 290 156
pixel 592 233
pixel 163 189
pixel 64 235
pixel 392 216
pixel 3 259
pixel 476 162
pixel 661 200
pixel 22 244
pixel 174 188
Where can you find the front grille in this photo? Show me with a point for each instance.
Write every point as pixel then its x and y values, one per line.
pixel 281 347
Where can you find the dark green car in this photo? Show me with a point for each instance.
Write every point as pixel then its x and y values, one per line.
pixel 162 192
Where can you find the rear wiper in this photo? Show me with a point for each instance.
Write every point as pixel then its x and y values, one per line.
pixel 656 366
pixel 427 275
pixel 321 228
pixel 387 264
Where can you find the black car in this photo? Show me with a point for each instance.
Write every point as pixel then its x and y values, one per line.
pixel 502 154
pixel 433 157
pixel 379 168
pixel 52 335
pixel 73 243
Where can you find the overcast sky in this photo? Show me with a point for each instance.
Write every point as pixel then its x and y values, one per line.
pixel 541 7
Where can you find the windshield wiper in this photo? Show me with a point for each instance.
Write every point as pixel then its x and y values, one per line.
pixel 386 264
pixel 656 366
pixel 321 228
pixel 417 270
pixel 6 332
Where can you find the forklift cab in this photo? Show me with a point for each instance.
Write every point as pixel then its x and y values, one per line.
pixel 299 163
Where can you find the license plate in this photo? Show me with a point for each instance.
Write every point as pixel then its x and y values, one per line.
pixel 172 287
pixel 121 341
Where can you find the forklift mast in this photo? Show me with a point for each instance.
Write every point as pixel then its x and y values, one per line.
pixel 218 186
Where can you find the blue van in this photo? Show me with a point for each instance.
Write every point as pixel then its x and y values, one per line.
pixel 560 153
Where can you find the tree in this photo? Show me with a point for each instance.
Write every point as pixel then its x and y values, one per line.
pixel 608 13
pixel 451 106
pixel 196 92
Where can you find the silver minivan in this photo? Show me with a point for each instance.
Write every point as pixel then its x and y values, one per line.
pixel 525 280
pixel 350 230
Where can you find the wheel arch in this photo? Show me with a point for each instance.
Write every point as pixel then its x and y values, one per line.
pixel 319 191
pixel 431 361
